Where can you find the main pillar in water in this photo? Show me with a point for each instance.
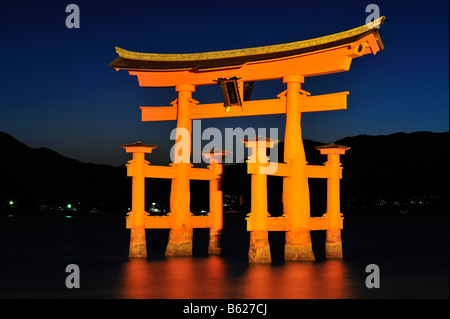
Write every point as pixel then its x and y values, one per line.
pixel 259 250
pixel 180 236
pixel 296 202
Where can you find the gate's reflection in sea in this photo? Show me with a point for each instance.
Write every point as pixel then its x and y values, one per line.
pixel 212 277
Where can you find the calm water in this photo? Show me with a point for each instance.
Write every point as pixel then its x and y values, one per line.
pixel 411 251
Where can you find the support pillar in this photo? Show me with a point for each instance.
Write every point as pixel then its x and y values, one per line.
pixel 259 250
pixel 180 237
pixel 333 243
pixel 215 202
pixel 136 217
pixel 216 210
pixel 296 203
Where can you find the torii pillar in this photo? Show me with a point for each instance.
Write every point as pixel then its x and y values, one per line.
pixel 180 236
pixel 138 247
pixel 215 158
pixel 259 250
pixel 333 243
pixel 296 204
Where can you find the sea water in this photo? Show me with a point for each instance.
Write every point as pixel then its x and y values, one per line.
pixel 411 252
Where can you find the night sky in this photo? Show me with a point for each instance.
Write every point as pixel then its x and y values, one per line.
pixel 57 90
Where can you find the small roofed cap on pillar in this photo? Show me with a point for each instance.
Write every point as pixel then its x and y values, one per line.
pixel 332 149
pixel 215 154
pixel 259 141
pixel 138 147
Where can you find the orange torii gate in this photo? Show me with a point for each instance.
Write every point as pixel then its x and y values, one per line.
pixel 236 70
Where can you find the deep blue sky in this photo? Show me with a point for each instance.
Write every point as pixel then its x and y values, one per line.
pixel 57 90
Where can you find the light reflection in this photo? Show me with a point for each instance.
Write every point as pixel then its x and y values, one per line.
pixel 303 280
pixel 212 277
pixel 337 279
pixel 174 278
pixel 137 283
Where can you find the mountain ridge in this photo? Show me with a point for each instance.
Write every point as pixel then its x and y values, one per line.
pixel 380 172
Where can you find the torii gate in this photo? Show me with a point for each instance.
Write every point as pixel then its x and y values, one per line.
pixel 291 62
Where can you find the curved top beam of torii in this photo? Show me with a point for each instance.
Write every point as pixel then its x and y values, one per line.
pixel 324 55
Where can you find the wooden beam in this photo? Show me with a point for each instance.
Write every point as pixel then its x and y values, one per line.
pixel 324 102
pixel 155 171
pixel 277 224
pixel 323 223
pixel 155 222
pixel 165 222
pixel 202 221
pixel 317 171
pixel 283 223
pixel 337 59
pixel 283 169
pixel 159 113
pixel 204 174
pixel 249 108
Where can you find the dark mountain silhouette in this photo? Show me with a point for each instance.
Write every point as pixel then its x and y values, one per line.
pixel 398 172
pixel 401 172
pixel 41 177
pixel 399 166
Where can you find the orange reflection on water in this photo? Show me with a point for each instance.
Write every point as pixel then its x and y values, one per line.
pixel 176 278
pixel 308 280
pixel 196 278
pixel 336 280
pixel 136 279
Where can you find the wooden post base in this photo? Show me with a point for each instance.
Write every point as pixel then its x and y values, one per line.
pixel 333 244
pixel 259 251
pixel 180 243
pixel 138 246
pixel 298 246
pixel 215 244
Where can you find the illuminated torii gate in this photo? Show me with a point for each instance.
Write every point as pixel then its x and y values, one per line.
pixel 291 62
